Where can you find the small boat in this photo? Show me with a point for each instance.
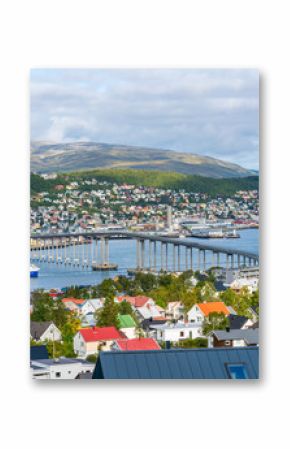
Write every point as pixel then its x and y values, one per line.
pixel 232 235
pixel 34 271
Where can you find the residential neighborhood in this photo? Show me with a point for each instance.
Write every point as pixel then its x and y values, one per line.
pixel 83 325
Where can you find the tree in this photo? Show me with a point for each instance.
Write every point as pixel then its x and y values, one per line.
pixel 107 288
pixel 92 358
pixel 108 315
pixel 125 308
pixel 47 309
pixel 68 331
pixel 147 281
pixel 229 297
pixel 214 321
pixel 241 301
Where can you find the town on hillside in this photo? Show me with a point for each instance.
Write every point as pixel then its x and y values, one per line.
pixel 85 203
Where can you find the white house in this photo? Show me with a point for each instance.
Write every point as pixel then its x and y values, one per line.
pixel 127 326
pixel 174 310
pixel 45 330
pixel 200 311
pixel 251 284
pixel 61 368
pixel 150 311
pixel 177 332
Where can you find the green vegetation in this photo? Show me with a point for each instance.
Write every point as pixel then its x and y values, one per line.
pixel 108 314
pixel 47 309
pixel 92 358
pixel 198 342
pixel 241 301
pixel 214 321
pixel 150 178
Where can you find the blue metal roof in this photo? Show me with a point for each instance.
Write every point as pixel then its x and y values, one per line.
pixel 207 363
pixel 38 352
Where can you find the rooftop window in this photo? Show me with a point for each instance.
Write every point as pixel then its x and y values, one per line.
pixel 237 371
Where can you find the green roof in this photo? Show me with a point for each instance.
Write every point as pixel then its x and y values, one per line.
pixel 126 321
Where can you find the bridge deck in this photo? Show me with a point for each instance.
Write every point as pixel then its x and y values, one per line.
pixel 153 238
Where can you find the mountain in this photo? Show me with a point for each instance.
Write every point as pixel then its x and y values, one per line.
pixel 66 157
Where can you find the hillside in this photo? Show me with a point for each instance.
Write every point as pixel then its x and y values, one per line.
pixel 53 157
pixel 174 181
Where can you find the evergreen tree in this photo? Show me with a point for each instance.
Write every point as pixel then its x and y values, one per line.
pixel 108 315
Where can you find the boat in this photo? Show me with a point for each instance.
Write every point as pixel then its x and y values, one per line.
pixel 232 235
pixel 208 234
pixel 34 270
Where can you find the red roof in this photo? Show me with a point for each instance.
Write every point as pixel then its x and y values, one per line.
pixel 74 300
pixel 138 344
pixel 100 334
pixel 137 301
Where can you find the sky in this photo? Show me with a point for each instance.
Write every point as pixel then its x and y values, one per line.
pixel 211 112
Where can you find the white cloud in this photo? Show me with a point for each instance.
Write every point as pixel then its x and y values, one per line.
pixel 213 112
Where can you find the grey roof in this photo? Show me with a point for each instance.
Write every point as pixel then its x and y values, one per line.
pixel 209 363
pixel 37 329
pixel 237 321
pixel 250 336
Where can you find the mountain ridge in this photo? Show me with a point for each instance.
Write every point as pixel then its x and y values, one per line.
pixel 48 157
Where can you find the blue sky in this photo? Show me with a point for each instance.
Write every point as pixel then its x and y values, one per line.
pixel 209 112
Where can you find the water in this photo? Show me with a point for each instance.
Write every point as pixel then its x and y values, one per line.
pixel 123 253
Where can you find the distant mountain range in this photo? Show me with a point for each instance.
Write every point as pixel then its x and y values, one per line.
pixel 66 157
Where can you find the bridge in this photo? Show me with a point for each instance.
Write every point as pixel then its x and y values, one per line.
pixel 153 252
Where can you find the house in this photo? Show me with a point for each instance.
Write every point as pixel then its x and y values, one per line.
pixel 38 352
pixel 209 363
pixel 148 322
pixel 61 368
pixel 251 284
pixel 228 276
pixel 174 310
pixel 44 330
pixel 234 338
pixel 96 303
pixel 91 340
pixel 136 344
pixel 200 311
pixel 150 311
pixel 136 301
pixel 73 304
pixel 88 320
pixel 239 322
pixel 85 307
pixel 177 332
pixel 127 325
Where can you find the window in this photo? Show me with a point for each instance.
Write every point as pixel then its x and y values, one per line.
pixel 237 371
pixel 58 374
pixel 181 334
pixel 227 343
